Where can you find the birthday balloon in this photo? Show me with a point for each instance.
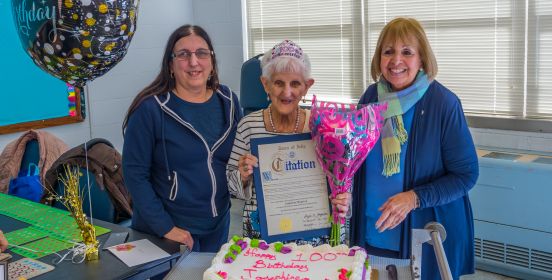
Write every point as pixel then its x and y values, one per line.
pixel 75 40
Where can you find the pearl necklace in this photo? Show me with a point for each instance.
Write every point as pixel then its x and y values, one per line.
pixel 272 122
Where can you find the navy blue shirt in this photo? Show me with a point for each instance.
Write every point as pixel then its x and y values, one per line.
pixel 207 118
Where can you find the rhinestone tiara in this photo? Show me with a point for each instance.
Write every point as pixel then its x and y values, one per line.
pixel 287 48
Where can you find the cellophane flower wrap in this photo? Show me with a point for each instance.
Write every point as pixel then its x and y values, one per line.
pixel 343 135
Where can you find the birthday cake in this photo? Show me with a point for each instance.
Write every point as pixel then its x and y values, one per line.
pixel 244 259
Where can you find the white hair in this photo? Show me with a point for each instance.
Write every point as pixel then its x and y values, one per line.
pixel 285 63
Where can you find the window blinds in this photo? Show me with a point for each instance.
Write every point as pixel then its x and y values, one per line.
pixel 329 31
pixel 539 78
pixel 495 55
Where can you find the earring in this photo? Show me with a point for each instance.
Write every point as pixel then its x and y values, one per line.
pixel 172 75
pixel 267 97
pixel 304 100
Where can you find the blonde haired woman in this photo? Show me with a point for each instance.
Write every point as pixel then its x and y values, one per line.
pixel 425 163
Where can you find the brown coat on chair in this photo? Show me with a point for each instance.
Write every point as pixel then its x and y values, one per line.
pixel 50 148
pixel 104 162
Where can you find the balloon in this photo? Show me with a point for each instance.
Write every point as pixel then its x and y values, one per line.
pixel 75 40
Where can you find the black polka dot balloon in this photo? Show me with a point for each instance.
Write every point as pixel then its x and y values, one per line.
pixel 75 40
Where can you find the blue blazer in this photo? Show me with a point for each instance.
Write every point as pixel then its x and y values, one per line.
pixel 441 167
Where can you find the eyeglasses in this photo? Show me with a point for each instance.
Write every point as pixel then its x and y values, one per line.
pixel 186 54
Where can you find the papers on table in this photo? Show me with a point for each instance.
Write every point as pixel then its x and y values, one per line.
pixel 137 252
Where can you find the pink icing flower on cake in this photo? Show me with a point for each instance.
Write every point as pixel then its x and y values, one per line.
pixel 344 274
pixel 353 250
pixel 222 274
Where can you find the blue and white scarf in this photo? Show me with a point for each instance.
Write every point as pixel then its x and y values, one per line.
pixel 393 134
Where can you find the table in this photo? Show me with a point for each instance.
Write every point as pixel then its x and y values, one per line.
pixel 108 266
pixel 191 266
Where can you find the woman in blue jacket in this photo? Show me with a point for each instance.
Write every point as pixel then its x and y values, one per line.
pixel 178 136
pixel 425 162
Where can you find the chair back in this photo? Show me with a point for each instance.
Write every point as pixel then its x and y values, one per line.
pixel 100 167
pixel 102 207
pixel 253 97
pixel 31 154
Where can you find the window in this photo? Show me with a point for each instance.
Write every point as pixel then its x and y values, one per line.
pixel 539 70
pixel 329 31
pixel 495 55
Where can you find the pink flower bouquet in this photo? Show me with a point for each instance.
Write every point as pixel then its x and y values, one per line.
pixel 343 136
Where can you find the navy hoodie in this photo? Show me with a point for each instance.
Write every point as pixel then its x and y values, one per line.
pixel 170 171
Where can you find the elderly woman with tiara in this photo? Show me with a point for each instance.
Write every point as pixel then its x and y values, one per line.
pixel 286 77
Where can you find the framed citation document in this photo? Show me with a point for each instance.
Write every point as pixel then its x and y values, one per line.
pixel 292 193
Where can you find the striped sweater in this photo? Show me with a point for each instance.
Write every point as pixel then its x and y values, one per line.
pixel 252 126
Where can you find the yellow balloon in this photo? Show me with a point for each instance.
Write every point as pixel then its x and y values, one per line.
pixel 102 8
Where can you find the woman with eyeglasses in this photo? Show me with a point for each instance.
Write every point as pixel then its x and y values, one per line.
pixel 178 135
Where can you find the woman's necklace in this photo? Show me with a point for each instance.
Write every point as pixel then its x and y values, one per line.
pixel 272 122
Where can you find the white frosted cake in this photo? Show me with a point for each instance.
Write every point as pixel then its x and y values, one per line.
pixel 243 259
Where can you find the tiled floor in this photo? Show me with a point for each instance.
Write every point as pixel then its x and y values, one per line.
pixel 236 229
